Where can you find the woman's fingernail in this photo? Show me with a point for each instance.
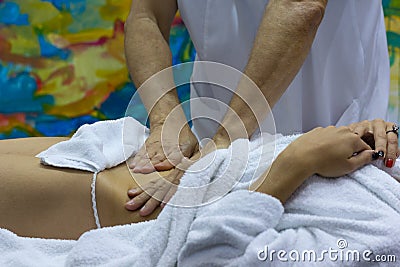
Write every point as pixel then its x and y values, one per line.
pixel 389 163
pixel 375 156
pixel 130 202
pixel 381 153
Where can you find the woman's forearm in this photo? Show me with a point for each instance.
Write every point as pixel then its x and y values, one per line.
pixel 283 40
pixel 285 175
pixel 147 52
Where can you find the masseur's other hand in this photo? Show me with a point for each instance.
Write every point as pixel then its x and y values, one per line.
pixel 165 147
pixel 331 151
pixel 160 191
pixel 374 134
pixel 148 197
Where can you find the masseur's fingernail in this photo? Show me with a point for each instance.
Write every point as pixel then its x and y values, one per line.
pixel 143 209
pixel 130 205
pixel 375 156
pixel 389 163
pixel 381 153
pixel 132 191
pixel 136 168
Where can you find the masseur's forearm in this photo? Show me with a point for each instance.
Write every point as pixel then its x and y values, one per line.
pixel 147 52
pixel 283 41
pixel 286 174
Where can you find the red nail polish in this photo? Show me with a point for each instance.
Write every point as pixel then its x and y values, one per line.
pixel 389 163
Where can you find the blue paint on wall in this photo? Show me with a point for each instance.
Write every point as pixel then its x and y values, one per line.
pixel 10 14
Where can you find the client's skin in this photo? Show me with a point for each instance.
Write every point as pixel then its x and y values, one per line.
pixel 42 201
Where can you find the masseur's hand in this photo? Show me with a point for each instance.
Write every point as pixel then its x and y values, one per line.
pixel 331 151
pixel 379 136
pixel 157 192
pixel 160 191
pixel 165 147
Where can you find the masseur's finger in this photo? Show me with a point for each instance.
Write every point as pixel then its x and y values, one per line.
pixel 133 161
pixel 139 161
pixel 161 162
pixel 137 202
pixel 158 161
pixel 379 129
pixel 174 177
pixel 174 158
pixel 144 162
pixel 133 192
pixel 169 195
pixel 163 186
pixel 155 200
pixel 144 166
pixel 140 200
pixel 149 207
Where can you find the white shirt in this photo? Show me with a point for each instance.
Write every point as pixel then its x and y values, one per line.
pixel 344 79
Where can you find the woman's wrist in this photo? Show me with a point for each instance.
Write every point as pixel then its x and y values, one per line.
pixel 298 154
pixel 286 174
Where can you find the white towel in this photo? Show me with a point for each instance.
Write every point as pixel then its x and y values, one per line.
pixel 97 146
pixel 362 209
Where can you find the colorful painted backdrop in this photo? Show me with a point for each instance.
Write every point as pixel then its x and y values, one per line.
pixel 62 63
pixel 392 17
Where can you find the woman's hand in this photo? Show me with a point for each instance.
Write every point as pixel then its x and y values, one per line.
pixel 165 148
pixel 375 134
pixel 331 151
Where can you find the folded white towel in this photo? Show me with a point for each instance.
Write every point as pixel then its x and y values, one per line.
pixel 361 209
pixel 97 146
